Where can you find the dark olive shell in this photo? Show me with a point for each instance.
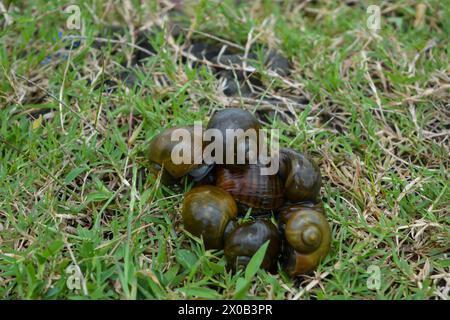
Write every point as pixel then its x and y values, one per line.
pixel 249 188
pixel 295 263
pixel 247 238
pixel 206 212
pixel 287 210
pixel 307 239
pixel 300 175
pixel 161 146
pixel 307 230
pixel 235 119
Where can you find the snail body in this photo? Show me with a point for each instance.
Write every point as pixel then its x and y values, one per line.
pixel 300 175
pixel 206 212
pixel 308 238
pixel 201 174
pixel 243 242
pixel 249 188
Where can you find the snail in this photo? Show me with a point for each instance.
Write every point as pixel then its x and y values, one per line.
pixel 288 210
pixel 308 238
pixel 249 188
pixel 224 190
pixel 300 175
pixel 160 155
pixel 243 242
pixel 239 130
pixel 206 212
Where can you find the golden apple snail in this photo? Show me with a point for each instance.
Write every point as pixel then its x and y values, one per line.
pixel 210 209
pixel 301 176
pixel 245 128
pixel 160 150
pixel 206 212
pixel 307 238
pixel 243 242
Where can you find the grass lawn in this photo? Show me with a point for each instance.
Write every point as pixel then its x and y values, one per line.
pixel 75 193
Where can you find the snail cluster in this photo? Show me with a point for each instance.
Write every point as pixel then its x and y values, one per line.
pixel 224 193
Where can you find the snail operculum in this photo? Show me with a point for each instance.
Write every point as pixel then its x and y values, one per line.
pixel 202 173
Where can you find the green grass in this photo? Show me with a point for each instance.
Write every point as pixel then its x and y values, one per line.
pixel 74 190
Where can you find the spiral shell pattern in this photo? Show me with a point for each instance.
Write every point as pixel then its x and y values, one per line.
pixel 308 238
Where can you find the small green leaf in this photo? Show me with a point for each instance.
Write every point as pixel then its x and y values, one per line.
pixel 252 268
pixel 201 292
pixel 240 284
pixel 98 196
pixel 56 246
pixel 445 263
pixel 255 261
pixel 74 173
pixel 186 258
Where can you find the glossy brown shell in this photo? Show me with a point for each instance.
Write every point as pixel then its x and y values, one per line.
pixel 247 238
pixel 160 150
pixel 288 210
pixel 300 175
pixel 249 188
pixel 307 238
pixel 206 212
pixel 233 119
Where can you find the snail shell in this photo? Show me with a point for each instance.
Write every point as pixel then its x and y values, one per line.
pixel 161 146
pixel 288 210
pixel 249 188
pixel 206 212
pixel 243 242
pixel 301 176
pixel 236 120
pixel 308 238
